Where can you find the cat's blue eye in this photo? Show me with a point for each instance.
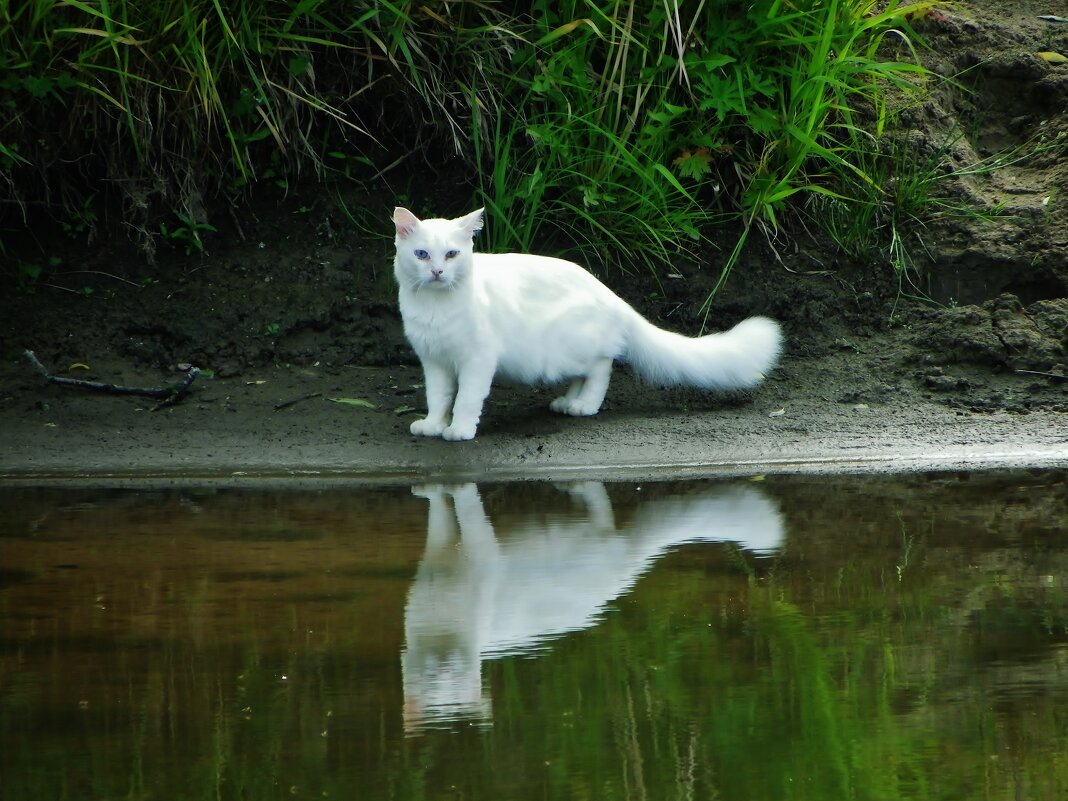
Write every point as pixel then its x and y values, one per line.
pixel 422 255
pixel 452 254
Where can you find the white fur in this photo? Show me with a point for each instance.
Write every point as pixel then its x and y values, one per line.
pixel 533 319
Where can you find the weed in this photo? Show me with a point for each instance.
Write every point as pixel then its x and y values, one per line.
pixel 1050 202
pixel 906 187
pixel 618 129
pixel 591 153
pixel 26 275
pixel 80 223
pixel 365 219
pixel 179 98
pixel 187 234
pixel 348 164
pixel 806 115
pixel 628 129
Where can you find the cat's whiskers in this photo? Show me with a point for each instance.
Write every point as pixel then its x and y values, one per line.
pixel 415 283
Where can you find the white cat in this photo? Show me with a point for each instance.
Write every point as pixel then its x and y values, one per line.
pixel 533 319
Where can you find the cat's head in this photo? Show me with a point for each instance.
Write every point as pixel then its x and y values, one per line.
pixel 434 254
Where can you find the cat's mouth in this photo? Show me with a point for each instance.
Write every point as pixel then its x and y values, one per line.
pixel 437 280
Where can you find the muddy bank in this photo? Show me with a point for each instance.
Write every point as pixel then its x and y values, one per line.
pixel 799 421
pixel 292 302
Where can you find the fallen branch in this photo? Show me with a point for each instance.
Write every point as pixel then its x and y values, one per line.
pixel 1054 376
pixel 295 401
pixel 166 395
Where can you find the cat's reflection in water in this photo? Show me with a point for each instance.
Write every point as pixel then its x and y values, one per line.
pixel 476 597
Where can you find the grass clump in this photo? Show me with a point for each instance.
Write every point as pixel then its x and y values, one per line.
pixel 913 183
pixel 624 130
pixel 637 126
pixel 168 105
pixel 580 151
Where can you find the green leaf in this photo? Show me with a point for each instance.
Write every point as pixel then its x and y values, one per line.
pixel 298 65
pixel 360 402
pixel 38 86
pixel 694 164
pixel 565 29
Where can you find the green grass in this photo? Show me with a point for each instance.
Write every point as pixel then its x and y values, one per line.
pixel 581 155
pixel 636 129
pixel 627 132
pixel 820 94
pixel 885 219
pixel 172 104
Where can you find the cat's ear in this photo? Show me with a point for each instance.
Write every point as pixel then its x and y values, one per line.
pixel 405 221
pixel 472 223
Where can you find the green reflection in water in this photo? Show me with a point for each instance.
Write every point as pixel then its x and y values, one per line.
pixel 897 639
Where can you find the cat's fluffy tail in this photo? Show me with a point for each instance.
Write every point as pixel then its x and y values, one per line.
pixel 734 359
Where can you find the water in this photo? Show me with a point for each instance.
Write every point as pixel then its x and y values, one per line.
pixel 791 638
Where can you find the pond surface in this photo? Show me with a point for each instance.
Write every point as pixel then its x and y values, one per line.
pixel 787 638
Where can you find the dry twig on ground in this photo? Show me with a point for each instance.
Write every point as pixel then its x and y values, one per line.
pixel 167 396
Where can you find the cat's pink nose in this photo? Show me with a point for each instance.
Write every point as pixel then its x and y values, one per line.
pixel 436 272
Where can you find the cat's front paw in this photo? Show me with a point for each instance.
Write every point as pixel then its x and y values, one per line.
pixel 427 428
pixel 560 404
pixel 457 432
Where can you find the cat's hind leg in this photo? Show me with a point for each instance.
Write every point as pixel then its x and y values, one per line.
pixel 585 395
